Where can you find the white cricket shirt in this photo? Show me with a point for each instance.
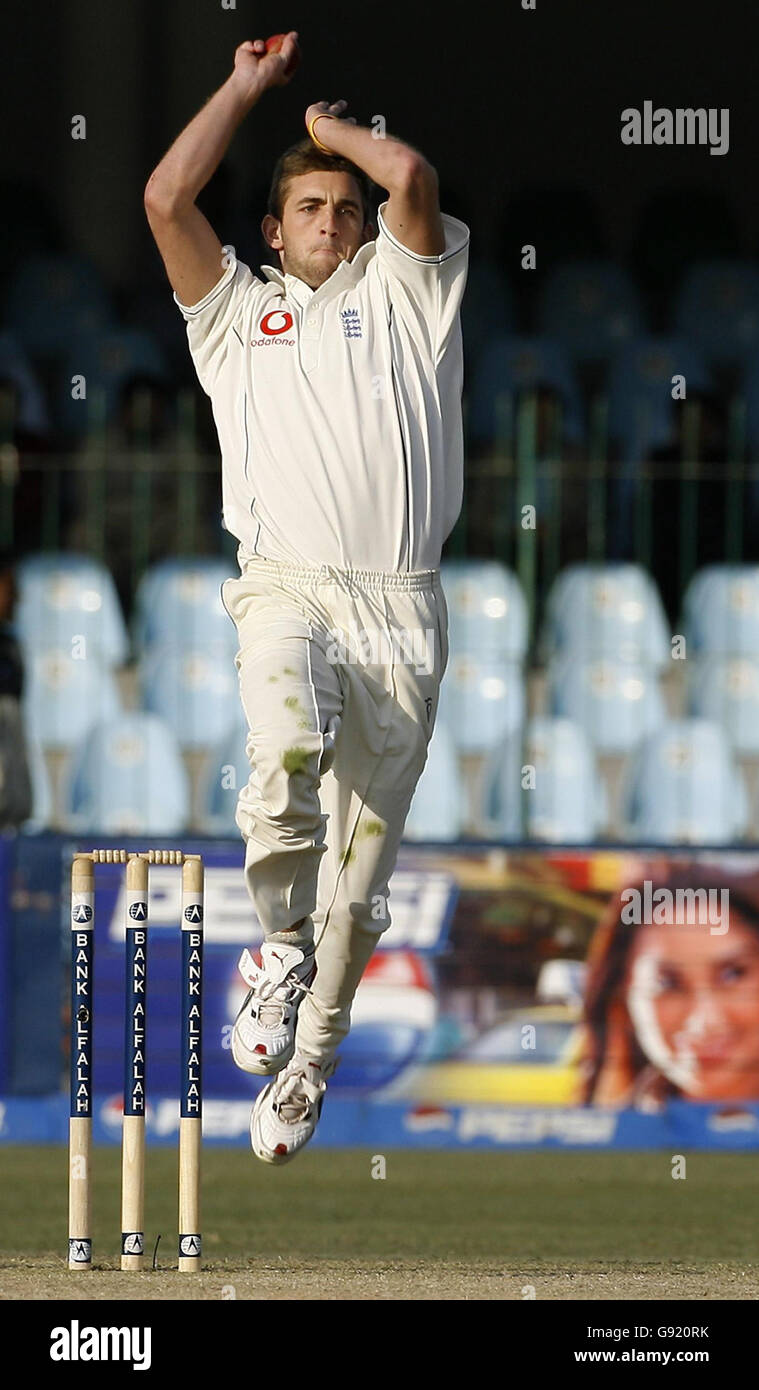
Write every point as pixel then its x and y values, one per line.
pixel 338 410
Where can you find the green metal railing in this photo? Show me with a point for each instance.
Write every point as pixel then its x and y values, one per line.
pixel 126 506
pixel 596 508
pixel 129 507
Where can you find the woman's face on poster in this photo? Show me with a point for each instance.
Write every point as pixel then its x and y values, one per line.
pixel 693 998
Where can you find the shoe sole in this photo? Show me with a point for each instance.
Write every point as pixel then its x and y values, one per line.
pixel 276 1159
pixel 266 1157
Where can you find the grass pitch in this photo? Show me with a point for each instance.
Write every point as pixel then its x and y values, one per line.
pixel 451 1225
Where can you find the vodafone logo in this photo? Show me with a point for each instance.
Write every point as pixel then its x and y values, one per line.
pixel 273 326
pixel 278 321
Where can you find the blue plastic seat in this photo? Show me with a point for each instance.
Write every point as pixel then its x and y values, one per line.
pixel 107 359
pixel 482 699
pixel 725 690
pixel 487 611
pixel 503 807
pixel 750 392
pixel 641 408
pixel 610 610
pixel 546 788
pixel 65 696
pixel 128 778
pixel 179 601
pixel 31 405
pixel 52 298
pixel 512 366
pixel 42 792
pixel 64 598
pixel 591 307
pixel 487 310
pixel 226 772
pixel 721 611
pixel 616 703
pixel 717 309
pixel 437 809
pixel 686 788
pixel 194 691
pixel 568 803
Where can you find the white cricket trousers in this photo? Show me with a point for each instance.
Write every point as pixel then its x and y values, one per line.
pixel 339 675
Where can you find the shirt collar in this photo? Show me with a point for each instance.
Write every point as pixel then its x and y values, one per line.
pixel 344 276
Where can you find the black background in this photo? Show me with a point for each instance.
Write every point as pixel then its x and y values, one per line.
pixel 496 97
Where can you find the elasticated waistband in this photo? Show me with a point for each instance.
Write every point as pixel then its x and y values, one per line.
pixel 410 581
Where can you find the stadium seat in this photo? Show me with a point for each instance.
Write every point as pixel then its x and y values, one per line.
pixel 641 408
pixel 487 310
pixel 437 808
pixel 616 703
pixel 685 788
pixel 591 307
pixel 547 787
pixel 31 407
pixel 721 611
pixel 567 804
pixel 107 359
pixel 725 690
pixel 53 298
pixel 128 777
pixel 511 366
pixel 482 699
pixel 487 612
pixel 193 691
pixel 717 309
pixel 503 805
pixel 179 601
pixel 226 772
pixel 64 598
pixel 42 792
pixel 611 610
pixel 65 696
pixel 149 311
pixel 750 392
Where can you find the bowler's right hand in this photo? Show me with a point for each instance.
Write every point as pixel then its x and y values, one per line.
pixel 256 70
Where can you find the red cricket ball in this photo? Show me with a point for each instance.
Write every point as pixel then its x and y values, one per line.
pixel 274 44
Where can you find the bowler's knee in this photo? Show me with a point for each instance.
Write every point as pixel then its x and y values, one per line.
pixel 283 787
pixel 287 773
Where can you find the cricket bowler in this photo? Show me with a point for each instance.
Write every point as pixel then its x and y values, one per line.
pixel 335 382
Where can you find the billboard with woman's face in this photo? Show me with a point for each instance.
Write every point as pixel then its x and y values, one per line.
pixel 522 997
pixel 597 979
pixel 671 998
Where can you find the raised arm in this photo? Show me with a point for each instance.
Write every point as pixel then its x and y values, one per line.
pixel 412 212
pixel 189 247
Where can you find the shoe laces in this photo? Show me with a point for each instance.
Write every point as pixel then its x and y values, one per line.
pixel 295 1094
pixel 264 985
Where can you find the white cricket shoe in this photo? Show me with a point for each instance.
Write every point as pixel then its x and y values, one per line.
pixel 287 1111
pixel 263 1037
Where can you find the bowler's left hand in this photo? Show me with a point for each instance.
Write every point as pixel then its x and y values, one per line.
pixel 326 108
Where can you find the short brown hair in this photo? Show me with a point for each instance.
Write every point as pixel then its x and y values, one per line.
pixel 304 157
